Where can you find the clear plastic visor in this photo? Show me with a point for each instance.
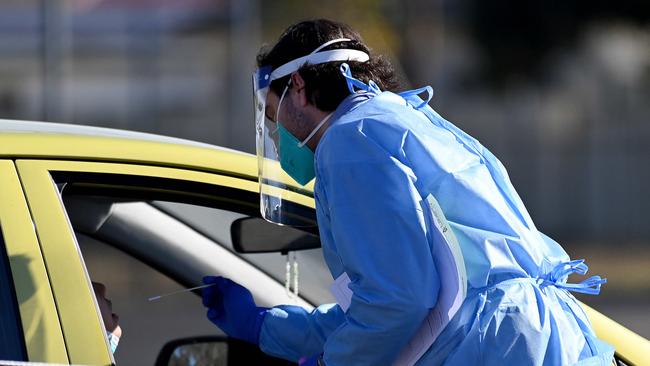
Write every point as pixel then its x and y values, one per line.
pixel 282 200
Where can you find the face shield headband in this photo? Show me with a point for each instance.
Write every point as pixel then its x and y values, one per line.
pixel 263 76
pixel 275 184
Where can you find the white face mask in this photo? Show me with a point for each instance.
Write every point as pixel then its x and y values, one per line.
pixel 113 340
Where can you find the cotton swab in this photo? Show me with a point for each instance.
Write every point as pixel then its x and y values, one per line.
pixel 180 292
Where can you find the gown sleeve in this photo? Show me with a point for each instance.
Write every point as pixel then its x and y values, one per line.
pixel 379 233
pixel 292 332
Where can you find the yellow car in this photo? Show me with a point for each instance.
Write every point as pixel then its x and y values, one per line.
pixel 146 216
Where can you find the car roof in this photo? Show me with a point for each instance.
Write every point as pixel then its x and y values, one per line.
pixel 15 126
pixel 45 140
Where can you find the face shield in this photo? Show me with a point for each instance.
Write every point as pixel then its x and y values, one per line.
pixel 280 195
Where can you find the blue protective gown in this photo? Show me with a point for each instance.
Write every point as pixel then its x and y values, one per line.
pixel 376 163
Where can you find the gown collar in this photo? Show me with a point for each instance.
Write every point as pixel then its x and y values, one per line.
pixel 348 104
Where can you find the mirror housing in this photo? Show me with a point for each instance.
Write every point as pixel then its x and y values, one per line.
pixel 256 235
pixel 214 350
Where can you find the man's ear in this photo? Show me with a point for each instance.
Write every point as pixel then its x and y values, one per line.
pixel 299 87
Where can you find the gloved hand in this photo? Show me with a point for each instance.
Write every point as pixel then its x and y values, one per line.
pixel 231 307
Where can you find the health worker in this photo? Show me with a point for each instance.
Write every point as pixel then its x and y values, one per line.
pixel 434 257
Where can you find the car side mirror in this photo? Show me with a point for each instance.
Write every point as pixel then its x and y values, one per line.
pixel 214 350
pixel 256 235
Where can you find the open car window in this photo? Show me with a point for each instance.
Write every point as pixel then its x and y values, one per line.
pixel 146 325
pixel 140 239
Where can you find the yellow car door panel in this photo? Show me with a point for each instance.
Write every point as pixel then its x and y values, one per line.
pixel 82 327
pixel 43 337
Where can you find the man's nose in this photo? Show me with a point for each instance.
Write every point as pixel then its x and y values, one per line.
pixel 99 288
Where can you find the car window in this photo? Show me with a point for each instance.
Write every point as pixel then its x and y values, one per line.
pixel 12 344
pixel 138 251
pixel 137 248
pixel 210 211
pixel 146 325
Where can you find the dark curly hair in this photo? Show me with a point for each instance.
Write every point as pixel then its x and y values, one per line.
pixel 324 85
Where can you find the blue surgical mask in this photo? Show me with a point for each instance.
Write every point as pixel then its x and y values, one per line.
pixel 113 340
pixel 296 158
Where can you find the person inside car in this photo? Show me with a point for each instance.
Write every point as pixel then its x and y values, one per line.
pixel 111 320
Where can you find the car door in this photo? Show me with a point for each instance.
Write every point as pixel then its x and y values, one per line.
pixel 85 340
pixel 136 223
pixel 32 331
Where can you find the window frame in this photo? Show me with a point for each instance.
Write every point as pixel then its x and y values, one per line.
pixel 41 329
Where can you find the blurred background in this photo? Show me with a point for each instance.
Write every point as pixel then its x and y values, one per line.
pixel 559 91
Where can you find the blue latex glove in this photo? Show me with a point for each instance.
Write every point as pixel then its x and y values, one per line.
pixel 231 307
